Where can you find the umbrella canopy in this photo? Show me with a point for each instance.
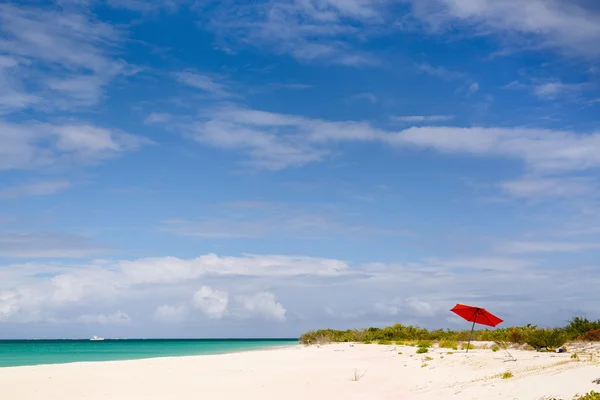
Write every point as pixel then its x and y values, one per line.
pixel 476 315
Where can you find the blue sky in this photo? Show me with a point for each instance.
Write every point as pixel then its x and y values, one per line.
pixel 222 168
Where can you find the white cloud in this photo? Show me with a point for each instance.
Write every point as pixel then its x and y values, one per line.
pixel 167 313
pixel 440 72
pixel 41 188
pixel 422 118
pixel 65 58
pixel 203 82
pixel 567 26
pixel 547 247
pixel 409 307
pixel 548 187
pixel 212 302
pixel 263 304
pixel 276 141
pixel 541 150
pixel 308 30
pixel 32 145
pixel 118 317
pixel 555 89
pixel 38 292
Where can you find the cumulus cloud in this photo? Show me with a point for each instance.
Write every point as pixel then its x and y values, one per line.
pixel 212 302
pixel 364 293
pixel 263 304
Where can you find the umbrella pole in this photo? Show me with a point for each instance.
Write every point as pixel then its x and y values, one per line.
pixel 470 336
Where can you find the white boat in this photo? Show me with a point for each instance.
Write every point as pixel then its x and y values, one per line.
pixel 96 338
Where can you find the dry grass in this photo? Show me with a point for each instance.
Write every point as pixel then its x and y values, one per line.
pixel 357 375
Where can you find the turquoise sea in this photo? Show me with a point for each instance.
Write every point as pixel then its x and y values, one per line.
pixel 34 352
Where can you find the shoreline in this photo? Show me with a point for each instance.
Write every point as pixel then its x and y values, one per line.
pixel 166 356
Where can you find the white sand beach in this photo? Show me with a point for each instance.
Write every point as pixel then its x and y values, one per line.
pixel 324 372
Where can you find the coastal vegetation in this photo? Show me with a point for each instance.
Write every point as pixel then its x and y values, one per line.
pixel 577 329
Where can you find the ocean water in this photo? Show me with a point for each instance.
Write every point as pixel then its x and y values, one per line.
pixel 34 352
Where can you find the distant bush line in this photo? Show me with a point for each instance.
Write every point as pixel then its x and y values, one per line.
pixel 578 329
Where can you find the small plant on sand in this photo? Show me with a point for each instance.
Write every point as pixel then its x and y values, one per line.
pixel 574 356
pixel 450 352
pixel 383 341
pixel 357 375
pixel 464 346
pixel 366 342
pixel 424 365
pixel 427 358
pixel 507 375
pixel 399 352
pixel 422 350
pixel 424 343
pixel 495 348
pixel 447 344
pixel 590 396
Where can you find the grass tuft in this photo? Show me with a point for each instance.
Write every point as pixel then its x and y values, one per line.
pixel 507 375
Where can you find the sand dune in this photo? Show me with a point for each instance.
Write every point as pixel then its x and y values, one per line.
pixel 324 372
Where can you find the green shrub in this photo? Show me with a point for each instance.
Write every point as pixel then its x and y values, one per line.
pixel 548 338
pixel 495 348
pixel 422 350
pixel 386 342
pixel 574 356
pixel 427 358
pixel 424 343
pixel 590 396
pixel 448 344
pixel 578 327
pixel 464 346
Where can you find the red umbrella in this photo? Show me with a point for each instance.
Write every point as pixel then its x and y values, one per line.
pixel 476 315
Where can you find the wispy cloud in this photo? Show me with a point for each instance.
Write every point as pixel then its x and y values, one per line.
pixel 440 72
pixel 65 58
pixel 310 31
pixel 548 247
pixel 422 118
pixel 32 145
pixel 41 188
pixel 571 27
pixel 537 187
pixel 276 141
pixel 555 89
pixel 206 83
